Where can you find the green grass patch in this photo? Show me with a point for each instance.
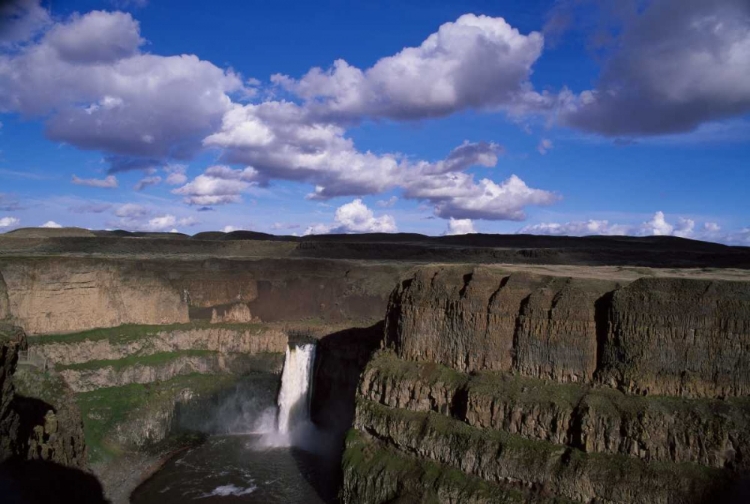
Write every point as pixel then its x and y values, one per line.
pixel 143 360
pixel 267 362
pixel 530 392
pixel 523 390
pixel 105 409
pixel 416 480
pixel 462 436
pixel 30 381
pixel 131 332
pixel 388 364
pixel 408 431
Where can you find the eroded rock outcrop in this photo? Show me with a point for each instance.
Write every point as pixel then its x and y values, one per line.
pixel 4 303
pixel 54 427
pixel 11 341
pixel 39 419
pixel 234 314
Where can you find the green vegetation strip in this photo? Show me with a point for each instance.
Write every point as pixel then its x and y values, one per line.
pixel 105 409
pixel 131 332
pixel 420 480
pixel 526 391
pixel 388 364
pixel 523 459
pixel 132 360
pixel 462 436
pixel 45 385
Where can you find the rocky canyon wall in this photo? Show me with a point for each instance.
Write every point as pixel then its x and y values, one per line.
pixel 140 343
pixel 39 419
pixel 654 335
pixel 496 387
pixel 67 294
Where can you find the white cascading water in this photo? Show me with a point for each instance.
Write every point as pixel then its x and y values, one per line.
pixel 296 385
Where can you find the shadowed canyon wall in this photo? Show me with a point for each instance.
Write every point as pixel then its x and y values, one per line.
pixel 39 419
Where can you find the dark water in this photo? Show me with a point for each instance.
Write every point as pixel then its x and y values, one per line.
pixel 228 469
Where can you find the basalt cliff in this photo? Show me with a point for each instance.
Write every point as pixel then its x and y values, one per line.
pixel 513 387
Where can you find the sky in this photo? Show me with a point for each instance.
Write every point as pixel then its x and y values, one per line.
pixel 565 117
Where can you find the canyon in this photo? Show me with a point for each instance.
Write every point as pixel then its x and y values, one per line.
pixel 455 369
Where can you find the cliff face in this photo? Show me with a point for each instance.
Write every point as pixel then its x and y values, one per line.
pixel 64 295
pixel 710 432
pixel 661 336
pixel 480 318
pixel 50 419
pixel 59 294
pixel 679 337
pixel 11 341
pixel 39 419
pixel 568 388
pixel 4 303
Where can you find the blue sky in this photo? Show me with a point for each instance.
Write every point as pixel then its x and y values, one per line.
pixel 542 116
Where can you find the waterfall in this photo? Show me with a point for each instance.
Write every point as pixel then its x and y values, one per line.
pixel 296 387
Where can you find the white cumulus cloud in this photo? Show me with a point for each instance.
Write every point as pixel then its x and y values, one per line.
pixel 97 37
pixel 161 223
pixel 658 225
pixel 9 221
pixel 476 62
pixel 388 203
pixel 131 211
pixel 218 185
pixel 176 174
pixel 97 89
pixel 297 146
pixel 355 217
pixel 460 227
